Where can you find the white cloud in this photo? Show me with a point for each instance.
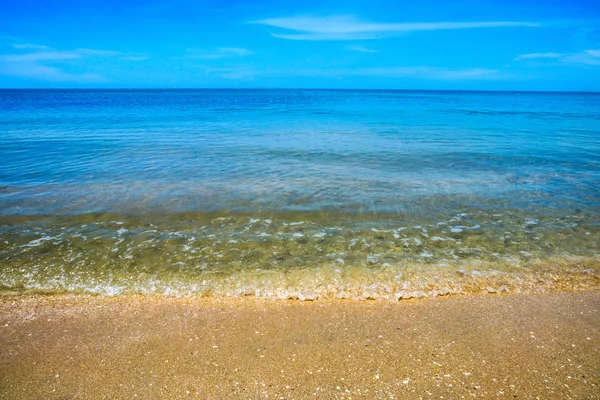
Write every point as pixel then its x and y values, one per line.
pixel 581 58
pixel 329 36
pixel 134 58
pixel 31 46
pixel 587 57
pixel 361 49
pixel 31 61
pixel 32 64
pixel 420 72
pixel 593 53
pixel 222 52
pixel 428 73
pixel 538 55
pixel 53 55
pixel 351 28
pixel 41 56
pixel 43 72
pixel 102 53
pixel 236 51
pixel 236 73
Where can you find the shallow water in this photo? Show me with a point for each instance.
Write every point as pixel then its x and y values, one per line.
pixel 299 194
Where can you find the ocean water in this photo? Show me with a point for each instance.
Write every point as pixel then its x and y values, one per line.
pixel 302 194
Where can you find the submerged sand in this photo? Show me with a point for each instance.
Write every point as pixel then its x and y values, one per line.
pixel 72 347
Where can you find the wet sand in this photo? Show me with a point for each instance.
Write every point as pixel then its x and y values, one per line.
pixel 495 346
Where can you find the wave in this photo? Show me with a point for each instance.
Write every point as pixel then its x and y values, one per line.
pixel 299 255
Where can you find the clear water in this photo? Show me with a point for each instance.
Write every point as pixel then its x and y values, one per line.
pixel 299 193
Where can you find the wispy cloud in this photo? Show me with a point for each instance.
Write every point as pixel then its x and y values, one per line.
pixel 41 56
pixel 134 58
pixel 420 72
pixel 425 72
pixel 33 63
pixel 361 49
pixel 101 53
pixel 47 73
pixel 350 28
pixel 221 52
pixel 538 55
pixel 593 53
pixel 243 73
pixel 587 57
pixel 583 33
pixel 30 46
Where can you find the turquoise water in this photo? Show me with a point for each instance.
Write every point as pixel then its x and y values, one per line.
pixel 298 193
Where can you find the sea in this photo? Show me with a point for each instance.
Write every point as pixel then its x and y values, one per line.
pixel 299 194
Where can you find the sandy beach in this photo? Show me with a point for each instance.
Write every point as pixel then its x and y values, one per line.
pixel 525 347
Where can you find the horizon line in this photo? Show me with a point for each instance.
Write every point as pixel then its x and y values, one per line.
pixel 314 89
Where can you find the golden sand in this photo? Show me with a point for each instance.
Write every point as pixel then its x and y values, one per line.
pixel 517 347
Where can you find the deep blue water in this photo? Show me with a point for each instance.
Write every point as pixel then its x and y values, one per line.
pixel 174 184
pixel 86 151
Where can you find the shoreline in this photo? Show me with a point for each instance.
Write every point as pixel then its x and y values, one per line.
pixel 507 346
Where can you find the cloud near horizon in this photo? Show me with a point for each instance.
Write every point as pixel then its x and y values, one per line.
pixel 587 57
pixel 538 55
pixel 41 56
pixel 46 73
pixel 361 49
pixel 30 46
pixel 134 58
pixel 221 52
pixel 420 72
pixel 341 27
pixel 32 64
pixel 92 52
pixel 424 72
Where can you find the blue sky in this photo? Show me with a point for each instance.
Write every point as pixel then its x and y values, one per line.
pixel 426 44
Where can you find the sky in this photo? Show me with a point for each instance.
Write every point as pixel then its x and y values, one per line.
pixel 364 44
